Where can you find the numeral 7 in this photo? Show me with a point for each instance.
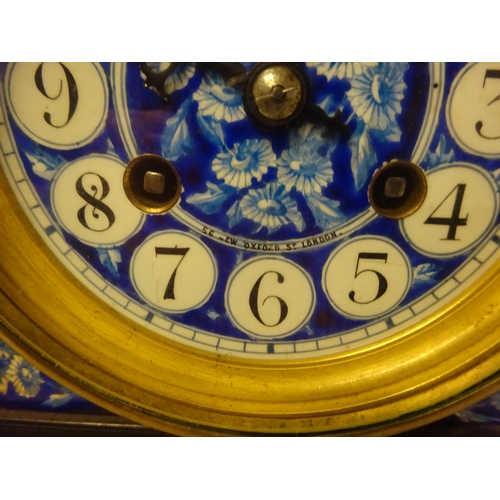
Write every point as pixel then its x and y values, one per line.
pixel 169 291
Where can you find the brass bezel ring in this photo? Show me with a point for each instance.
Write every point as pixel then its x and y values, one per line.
pixel 421 374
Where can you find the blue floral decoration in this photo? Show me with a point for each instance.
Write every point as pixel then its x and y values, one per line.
pixel 425 273
pixel 443 154
pixel 326 212
pixel 26 380
pixel 44 165
pixel 6 354
pixel 176 140
pixel 218 100
pixel 24 377
pixel 212 130
pixel 485 412
pixel 59 399
pixel 363 156
pixel 270 207
pixel 340 70
pixel 305 170
pixel 178 79
pixel 376 94
pixel 375 97
pixel 312 136
pixel 246 161
pixel 300 170
pixel 110 258
pixel 211 201
pixel 496 175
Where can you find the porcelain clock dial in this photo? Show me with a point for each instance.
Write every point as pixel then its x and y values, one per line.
pixel 265 217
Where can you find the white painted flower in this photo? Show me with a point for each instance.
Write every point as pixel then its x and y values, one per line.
pixel 376 94
pixel 304 169
pixel 24 377
pixel 340 69
pixel 246 161
pixel 160 67
pixel 6 354
pixel 219 100
pixel 271 207
pixel 179 77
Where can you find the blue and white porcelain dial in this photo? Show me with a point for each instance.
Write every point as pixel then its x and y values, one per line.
pixel 273 248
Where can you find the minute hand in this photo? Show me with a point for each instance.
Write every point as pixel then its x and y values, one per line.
pixel 274 94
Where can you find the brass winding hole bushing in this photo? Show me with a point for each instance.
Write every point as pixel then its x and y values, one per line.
pixel 397 189
pixel 152 184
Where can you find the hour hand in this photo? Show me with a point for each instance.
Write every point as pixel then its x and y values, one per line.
pixel 233 73
pixel 333 124
pixel 156 74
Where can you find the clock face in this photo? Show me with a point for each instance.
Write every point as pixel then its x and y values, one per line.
pixel 264 212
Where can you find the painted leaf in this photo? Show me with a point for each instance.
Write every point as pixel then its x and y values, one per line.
pixel 176 140
pixel 57 400
pixel 212 130
pixel 391 133
pixel 443 154
pixel 234 214
pixel 425 273
pixel 311 135
pixel 111 148
pixel 43 164
pixel 326 212
pixel 329 104
pixel 496 175
pixel 211 200
pixel 363 156
pixel 295 217
pixel 213 314
pixel 110 258
pixel 485 411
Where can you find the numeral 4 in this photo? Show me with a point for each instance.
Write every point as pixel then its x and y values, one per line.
pixel 454 220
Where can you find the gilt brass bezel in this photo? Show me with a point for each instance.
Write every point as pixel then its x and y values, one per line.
pixel 446 362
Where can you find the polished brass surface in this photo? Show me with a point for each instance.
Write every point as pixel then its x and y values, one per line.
pixel 449 360
pixel 277 92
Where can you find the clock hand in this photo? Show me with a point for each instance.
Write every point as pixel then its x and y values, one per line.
pixel 270 78
pixel 264 100
pixel 277 93
pixel 334 124
pixel 232 72
pixel 156 79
